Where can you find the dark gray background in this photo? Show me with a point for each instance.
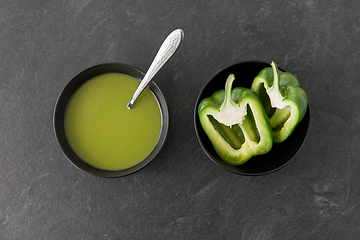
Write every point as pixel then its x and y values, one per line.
pixel 181 194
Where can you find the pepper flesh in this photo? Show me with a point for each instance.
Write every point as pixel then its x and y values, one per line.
pixel 236 123
pixel 284 100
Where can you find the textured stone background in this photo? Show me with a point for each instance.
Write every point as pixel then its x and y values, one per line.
pixel 181 194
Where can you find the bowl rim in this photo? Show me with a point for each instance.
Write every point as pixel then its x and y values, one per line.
pixel 65 96
pixel 218 161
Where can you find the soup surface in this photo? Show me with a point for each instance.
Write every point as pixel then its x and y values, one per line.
pixel 103 132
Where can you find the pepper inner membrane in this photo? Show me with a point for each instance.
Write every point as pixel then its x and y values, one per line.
pixel 234 135
pixel 265 100
pixel 277 116
pixel 249 126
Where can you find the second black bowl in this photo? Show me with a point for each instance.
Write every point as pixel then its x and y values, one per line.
pixel 279 155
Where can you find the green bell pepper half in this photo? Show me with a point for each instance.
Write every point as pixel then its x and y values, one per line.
pixel 285 102
pixel 236 123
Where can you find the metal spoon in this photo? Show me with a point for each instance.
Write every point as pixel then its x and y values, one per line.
pixel 167 49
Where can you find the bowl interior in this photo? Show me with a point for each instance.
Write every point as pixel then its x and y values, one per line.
pixel 69 90
pixel 279 155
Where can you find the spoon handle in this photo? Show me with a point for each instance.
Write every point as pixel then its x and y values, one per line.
pixel 167 49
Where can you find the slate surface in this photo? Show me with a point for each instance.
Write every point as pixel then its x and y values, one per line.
pixel 181 194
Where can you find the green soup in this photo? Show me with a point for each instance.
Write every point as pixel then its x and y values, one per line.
pixel 103 132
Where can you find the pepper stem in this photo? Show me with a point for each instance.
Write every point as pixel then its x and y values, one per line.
pixel 273 92
pixel 276 83
pixel 230 113
pixel 228 85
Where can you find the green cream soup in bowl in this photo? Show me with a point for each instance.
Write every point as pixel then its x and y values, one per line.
pixel 98 133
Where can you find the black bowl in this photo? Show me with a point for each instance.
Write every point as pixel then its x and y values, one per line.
pixel 69 90
pixel 279 155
